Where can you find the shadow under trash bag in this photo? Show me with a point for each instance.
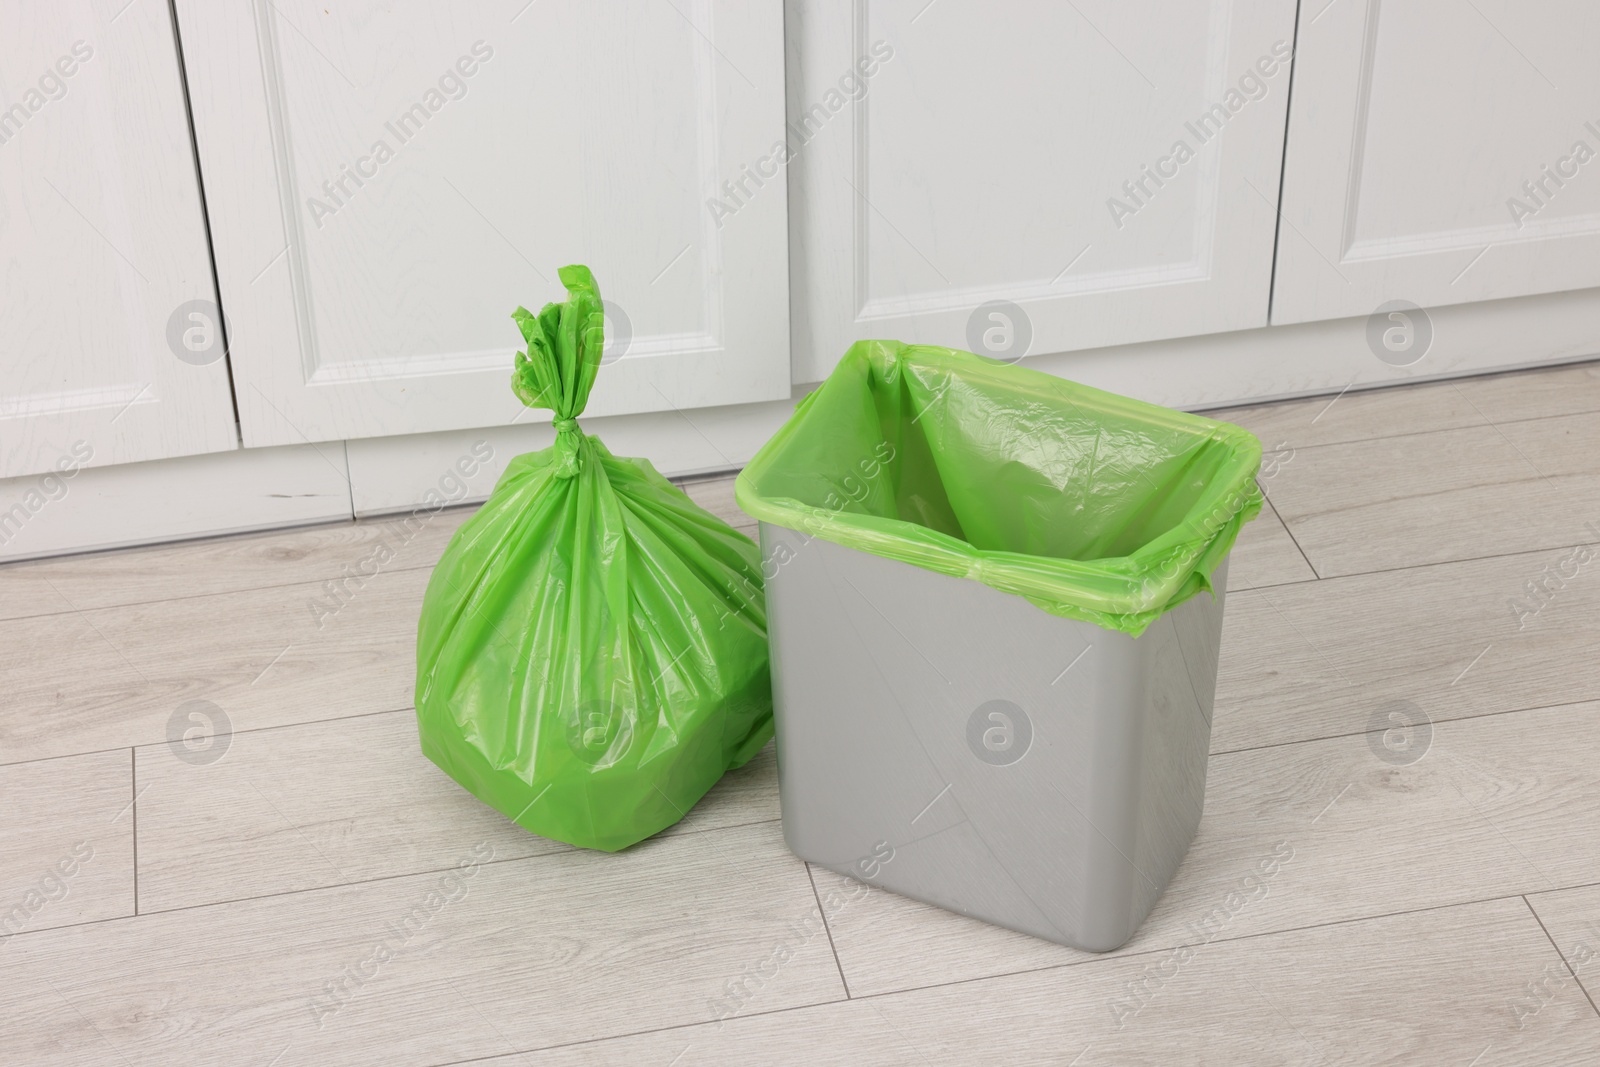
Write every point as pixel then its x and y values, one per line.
pixel 592 651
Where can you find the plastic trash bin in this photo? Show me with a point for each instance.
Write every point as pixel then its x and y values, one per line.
pixel 995 604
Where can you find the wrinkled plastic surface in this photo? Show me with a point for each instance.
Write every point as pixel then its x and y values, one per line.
pixel 592 651
pixel 1093 506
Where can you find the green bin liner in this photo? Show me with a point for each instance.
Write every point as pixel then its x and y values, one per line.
pixel 1093 506
pixel 592 649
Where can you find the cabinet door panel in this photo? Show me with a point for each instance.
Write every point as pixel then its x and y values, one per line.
pixel 102 246
pixel 389 180
pixel 1017 153
pixel 1440 153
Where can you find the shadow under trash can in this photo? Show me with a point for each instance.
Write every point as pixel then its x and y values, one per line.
pixel 995 603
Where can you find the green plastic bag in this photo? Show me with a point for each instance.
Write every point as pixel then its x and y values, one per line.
pixel 1092 506
pixel 592 652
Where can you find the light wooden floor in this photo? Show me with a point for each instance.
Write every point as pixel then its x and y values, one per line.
pixel 258 908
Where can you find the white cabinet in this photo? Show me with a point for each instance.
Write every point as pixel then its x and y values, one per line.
pixel 387 181
pixel 1093 185
pixel 109 348
pixel 1440 152
pixel 1111 171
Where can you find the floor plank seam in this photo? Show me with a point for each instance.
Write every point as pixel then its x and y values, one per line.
pixel 65 755
pixel 564 850
pixel 1414 496
pixel 133 784
pixel 643 1033
pixel 1484 425
pixel 228 734
pixel 1317 575
pixel 181 542
pixel 220 592
pixel 1091 961
pixel 1420 566
pixel 1431 720
pixel 747 529
pixel 828 929
pixel 1562 956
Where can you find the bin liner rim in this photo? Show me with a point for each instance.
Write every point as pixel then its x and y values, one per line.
pixel 1123 593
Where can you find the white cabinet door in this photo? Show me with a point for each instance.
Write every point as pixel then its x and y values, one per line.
pixel 1109 170
pixel 388 180
pixel 1440 152
pixel 109 347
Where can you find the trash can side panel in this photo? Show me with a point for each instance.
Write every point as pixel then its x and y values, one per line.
pixel 999 714
pixel 858 795
pixel 986 692
pixel 1110 794
pixel 1180 655
pixel 1200 638
pixel 848 765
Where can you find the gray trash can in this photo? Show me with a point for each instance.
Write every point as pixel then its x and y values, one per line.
pixel 994 603
pixel 1035 772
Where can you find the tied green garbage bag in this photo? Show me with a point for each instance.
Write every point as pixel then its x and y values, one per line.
pixel 592 652
pixel 1093 506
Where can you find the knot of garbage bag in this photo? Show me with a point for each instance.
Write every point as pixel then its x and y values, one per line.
pixel 568 443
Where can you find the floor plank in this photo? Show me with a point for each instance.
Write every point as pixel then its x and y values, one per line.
pixel 1496 806
pixel 517 954
pixel 268 656
pixel 303 807
pixel 66 842
pixel 1321 658
pixel 224 564
pixel 1363 415
pixel 1426 990
pixel 115 677
pixel 255 561
pixel 1266 555
pixel 323 804
pixel 1357 415
pixel 1535 394
pixel 1448 495
pixel 1572 919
